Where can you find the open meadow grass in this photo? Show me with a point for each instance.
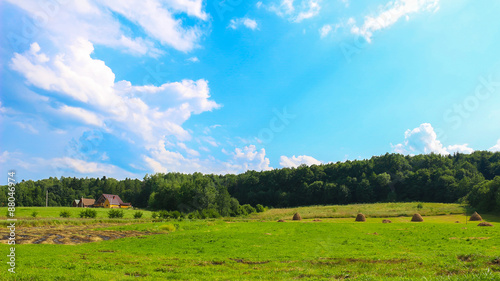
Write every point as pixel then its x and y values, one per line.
pixel 262 249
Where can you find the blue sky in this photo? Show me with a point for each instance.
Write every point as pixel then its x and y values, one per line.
pixel 125 88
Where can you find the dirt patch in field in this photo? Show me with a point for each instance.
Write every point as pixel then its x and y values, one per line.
pixel 249 262
pixel 68 235
pixel 355 260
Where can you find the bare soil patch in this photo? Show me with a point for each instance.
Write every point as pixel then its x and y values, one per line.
pixel 68 235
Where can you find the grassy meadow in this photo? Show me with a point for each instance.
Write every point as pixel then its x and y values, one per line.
pixel 259 248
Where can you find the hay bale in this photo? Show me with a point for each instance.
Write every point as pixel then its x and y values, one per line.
pixel 417 218
pixel 457 222
pixel 281 220
pixel 360 217
pixel 297 217
pixel 386 221
pixel 485 224
pixel 475 217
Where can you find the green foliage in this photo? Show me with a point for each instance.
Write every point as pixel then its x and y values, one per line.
pixel 115 213
pixel 65 214
pixel 138 215
pixel 34 214
pixel 387 178
pixel 259 208
pixel 167 227
pixel 88 213
pixel 420 206
pixel 154 215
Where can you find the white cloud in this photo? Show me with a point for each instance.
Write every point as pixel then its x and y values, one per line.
pixel 325 30
pixel 312 10
pixel 95 21
pixel 75 74
pixel 390 14
pixel 423 139
pixel 82 114
pixel 193 59
pixel 27 127
pixel 459 148
pixel 249 158
pixel 496 147
pixel 295 13
pixel 345 2
pixel 247 22
pixel 297 161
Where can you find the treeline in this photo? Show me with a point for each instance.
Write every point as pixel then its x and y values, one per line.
pixel 472 178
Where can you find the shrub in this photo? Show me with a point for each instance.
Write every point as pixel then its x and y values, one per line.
pixel 154 215
pixel 138 215
pixel 175 214
pixel 193 215
pixel 65 214
pixel 34 214
pixel 88 213
pixel 420 206
pixel 210 214
pixel 260 208
pixel 249 209
pixel 114 213
pixel 164 214
pixel 167 227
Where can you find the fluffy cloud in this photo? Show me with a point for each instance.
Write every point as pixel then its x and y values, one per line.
pixel 423 139
pixel 90 83
pixel 95 21
pixel 390 14
pixel 297 161
pixel 325 30
pixel 296 13
pixel 496 147
pixel 247 158
pixel 247 22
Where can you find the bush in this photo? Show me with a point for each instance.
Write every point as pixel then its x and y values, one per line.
pixel 167 227
pixel 420 206
pixel 193 215
pixel 65 214
pixel 260 208
pixel 210 214
pixel 154 215
pixel 249 209
pixel 138 215
pixel 175 214
pixel 164 214
pixel 114 213
pixel 34 214
pixel 88 213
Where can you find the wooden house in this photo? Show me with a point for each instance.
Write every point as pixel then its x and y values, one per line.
pixel 111 201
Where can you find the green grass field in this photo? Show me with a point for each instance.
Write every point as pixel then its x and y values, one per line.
pixel 259 248
pixel 53 212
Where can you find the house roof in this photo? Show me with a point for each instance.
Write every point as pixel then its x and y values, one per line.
pixel 113 199
pixel 87 202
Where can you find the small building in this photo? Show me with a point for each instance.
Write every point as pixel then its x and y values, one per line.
pixel 111 201
pixel 85 203
pixel 75 203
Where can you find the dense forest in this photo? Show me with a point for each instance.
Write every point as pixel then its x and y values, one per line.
pixel 468 178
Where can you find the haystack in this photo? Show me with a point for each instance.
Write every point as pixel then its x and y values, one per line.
pixel 475 217
pixel 297 217
pixel 485 224
pixel 360 217
pixel 417 217
pixel 281 220
pixel 386 221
